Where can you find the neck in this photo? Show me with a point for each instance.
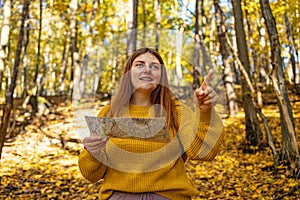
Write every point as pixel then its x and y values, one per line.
pixel 141 99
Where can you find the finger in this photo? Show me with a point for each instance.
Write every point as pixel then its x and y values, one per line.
pixel 211 101
pixel 207 80
pixel 95 147
pixel 204 94
pixel 93 141
pixel 91 138
pixel 98 147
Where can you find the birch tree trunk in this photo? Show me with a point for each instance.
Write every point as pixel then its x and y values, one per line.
pixel 10 88
pixel 179 42
pixel 131 26
pixel 88 48
pixel 253 131
pixel 289 150
pixel 228 76
pixel 4 38
pixel 76 75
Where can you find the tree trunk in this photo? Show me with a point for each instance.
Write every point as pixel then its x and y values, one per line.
pixel 98 74
pixel 46 59
pixel 65 57
pixel 144 23
pixel 157 23
pixel 4 38
pixel 132 26
pixel 77 93
pixel 39 43
pixel 253 131
pixel 264 62
pixel 89 47
pixel 257 109
pixel 196 66
pixel 24 62
pixel 228 76
pixel 10 89
pixel 292 51
pixel 254 53
pixel 289 151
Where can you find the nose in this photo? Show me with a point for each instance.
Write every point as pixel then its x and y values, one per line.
pixel 147 69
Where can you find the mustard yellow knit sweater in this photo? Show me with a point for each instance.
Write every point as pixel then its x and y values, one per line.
pixel 157 169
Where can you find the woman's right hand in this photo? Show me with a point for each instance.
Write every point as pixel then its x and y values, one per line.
pixel 94 144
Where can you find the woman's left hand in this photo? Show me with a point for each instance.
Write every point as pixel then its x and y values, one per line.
pixel 205 96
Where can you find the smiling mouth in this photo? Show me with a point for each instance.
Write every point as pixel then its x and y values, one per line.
pixel 146 79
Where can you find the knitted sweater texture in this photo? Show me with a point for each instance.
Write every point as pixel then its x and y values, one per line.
pixel 137 166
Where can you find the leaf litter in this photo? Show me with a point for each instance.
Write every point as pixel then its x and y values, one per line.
pixel 40 166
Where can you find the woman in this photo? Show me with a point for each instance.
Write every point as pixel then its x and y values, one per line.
pixel 141 169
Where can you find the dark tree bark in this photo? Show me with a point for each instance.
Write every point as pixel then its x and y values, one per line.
pixel 38 55
pixel 10 89
pixel 255 56
pixel 257 108
pixel 253 131
pixel 157 23
pixel 228 76
pixel 197 46
pixel 289 150
pixel 292 50
pixel 65 56
pixel 24 61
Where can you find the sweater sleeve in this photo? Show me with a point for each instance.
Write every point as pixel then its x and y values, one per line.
pixel 90 167
pixel 202 134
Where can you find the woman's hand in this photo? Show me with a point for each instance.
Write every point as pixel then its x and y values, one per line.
pixel 94 144
pixel 205 95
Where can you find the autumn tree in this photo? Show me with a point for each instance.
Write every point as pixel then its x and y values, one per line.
pixel 4 38
pixel 77 73
pixel 228 76
pixel 197 46
pixel 9 92
pixel 289 150
pixel 253 131
pixel 132 26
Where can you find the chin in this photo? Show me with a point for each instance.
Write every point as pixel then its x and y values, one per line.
pixel 147 88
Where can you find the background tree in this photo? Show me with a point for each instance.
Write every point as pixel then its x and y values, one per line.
pixel 5 30
pixel 289 150
pixel 9 92
pixel 253 131
pixel 197 46
pixel 228 76
pixel 77 73
pixel 132 26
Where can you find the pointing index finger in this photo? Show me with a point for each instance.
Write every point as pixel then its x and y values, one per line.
pixel 207 79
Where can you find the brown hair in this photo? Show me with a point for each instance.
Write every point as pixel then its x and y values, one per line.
pixel 161 95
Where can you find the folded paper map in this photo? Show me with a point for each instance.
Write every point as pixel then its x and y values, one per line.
pixel 151 129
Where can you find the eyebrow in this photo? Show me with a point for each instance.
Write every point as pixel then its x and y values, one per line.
pixel 140 61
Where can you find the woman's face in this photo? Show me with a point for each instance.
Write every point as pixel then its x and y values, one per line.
pixel 145 72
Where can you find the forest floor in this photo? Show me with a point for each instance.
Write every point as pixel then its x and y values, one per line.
pixel 37 164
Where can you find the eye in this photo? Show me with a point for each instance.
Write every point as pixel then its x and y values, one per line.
pixel 139 65
pixel 155 67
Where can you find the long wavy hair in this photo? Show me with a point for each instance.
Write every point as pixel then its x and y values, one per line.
pixel 161 95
